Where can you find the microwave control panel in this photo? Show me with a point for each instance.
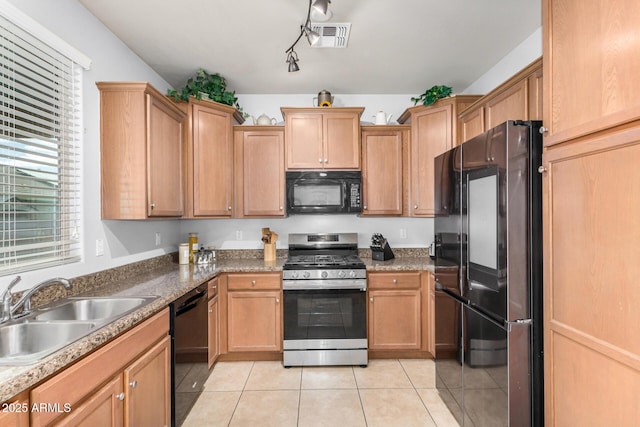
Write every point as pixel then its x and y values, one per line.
pixel 355 196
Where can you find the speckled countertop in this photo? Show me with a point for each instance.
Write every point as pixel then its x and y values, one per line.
pixel 168 281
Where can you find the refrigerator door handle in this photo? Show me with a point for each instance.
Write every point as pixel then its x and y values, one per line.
pixel 518 322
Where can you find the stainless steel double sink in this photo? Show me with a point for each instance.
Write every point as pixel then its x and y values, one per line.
pixel 30 338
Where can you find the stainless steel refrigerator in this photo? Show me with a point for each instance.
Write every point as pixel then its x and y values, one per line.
pixel 488 245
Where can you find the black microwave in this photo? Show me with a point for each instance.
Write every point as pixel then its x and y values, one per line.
pixel 324 192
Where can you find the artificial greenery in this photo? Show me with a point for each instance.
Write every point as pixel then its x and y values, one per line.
pixel 211 86
pixel 432 95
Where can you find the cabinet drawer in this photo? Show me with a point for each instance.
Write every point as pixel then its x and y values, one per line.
pixel 212 288
pixel 394 280
pixel 240 282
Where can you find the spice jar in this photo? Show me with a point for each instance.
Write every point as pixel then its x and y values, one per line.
pixel 193 245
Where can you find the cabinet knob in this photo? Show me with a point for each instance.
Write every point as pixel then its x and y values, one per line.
pixel 210 311
pixel 543 130
pixel 542 169
pixel 371 299
pixel 133 384
pixel 326 160
pixel 365 207
pixel 229 208
pixel 253 282
pixel 214 287
pixel 153 205
pixel 395 281
pixel 120 396
pixel 319 160
pixel 277 300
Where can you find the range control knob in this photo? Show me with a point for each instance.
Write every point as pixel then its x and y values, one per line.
pixel 324 274
pixel 294 275
pixel 341 273
pixel 352 274
pixel 306 274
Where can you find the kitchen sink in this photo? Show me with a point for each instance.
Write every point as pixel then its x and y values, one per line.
pixel 92 308
pixel 32 337
pixel 27 342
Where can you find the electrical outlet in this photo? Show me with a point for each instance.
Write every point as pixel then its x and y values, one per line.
pixel 99 247
pixel 403 233
pixel 238 234
pixel 158 238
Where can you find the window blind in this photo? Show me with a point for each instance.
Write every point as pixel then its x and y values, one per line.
pixel 40 131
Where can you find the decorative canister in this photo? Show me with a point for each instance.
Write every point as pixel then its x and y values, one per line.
pixel 183 253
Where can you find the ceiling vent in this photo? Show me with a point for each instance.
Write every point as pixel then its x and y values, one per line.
pixel 331 35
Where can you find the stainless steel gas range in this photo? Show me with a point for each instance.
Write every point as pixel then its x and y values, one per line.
pixel 324 291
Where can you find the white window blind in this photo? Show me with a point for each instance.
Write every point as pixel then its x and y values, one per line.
pixel 40 131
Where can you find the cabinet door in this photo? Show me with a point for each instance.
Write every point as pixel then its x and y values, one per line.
pixel 471 124
pixel 341 136
pixel 164 164
pixel 212 162
pixel 148 387
pixel 382 172
pixel 512 104
pixel 303 138
pixel 591 64
pixel 254 321
pixel 394 320
pixel 105 408
pixel 15 411
pixel 214 345
pixel 259 183
pixel 432 136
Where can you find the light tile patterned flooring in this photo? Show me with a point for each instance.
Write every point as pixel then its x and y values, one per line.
pixel 387 393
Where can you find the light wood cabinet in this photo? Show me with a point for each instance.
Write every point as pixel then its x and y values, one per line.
pixel 519 98
pixel 396 315
pixel 322 138
pixel 434 130
pixel 208 162
pixel 128 379
pixel 141 138
pixel 385 160
pixel 15 411
pixel 254 312
pixel 590 209
pixel 259 171
pixel 213 326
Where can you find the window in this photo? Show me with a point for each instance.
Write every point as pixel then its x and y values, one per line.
pixel 40 131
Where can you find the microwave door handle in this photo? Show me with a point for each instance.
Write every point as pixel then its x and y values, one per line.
pixel 345 194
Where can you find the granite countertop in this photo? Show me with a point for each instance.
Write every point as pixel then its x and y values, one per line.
pixel 169 282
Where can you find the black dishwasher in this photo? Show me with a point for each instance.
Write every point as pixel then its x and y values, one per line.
pixel 189 346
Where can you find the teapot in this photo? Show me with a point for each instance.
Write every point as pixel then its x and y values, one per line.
pixel 264 120
pixel 382 118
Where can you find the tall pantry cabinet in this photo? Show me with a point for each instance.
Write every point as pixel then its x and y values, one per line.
pixel 591 188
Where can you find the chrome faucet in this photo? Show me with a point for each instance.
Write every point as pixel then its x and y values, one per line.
pixel 25 299
pixel 5 314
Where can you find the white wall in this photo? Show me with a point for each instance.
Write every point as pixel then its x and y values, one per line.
pixel 125 242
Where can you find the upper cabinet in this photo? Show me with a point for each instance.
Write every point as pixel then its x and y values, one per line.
pixel 385 157
pixel 322 138
pixel 259 171
pixel 209 158
pixel 519 98
pixel 434 130
pixel 141 138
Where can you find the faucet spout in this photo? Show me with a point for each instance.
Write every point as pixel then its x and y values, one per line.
pixel 7 299
pixel 25 299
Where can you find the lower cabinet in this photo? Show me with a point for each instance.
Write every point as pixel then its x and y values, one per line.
pixel 127 382
pixel 397 316
pixel 15 411
pixel 254 312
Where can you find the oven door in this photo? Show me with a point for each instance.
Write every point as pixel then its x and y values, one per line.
pixel 325 319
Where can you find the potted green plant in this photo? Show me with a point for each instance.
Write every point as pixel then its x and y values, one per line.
pixel 432 95
pixel 207 86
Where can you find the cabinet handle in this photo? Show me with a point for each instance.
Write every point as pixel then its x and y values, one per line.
pixel 120 396
pixel 133 384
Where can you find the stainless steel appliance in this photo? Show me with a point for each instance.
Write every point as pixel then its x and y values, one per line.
pixel 189 345
pixel 488 235
pixel 324 291
pixel 324 192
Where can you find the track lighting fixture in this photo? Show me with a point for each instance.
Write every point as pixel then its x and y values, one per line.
pixel 320 6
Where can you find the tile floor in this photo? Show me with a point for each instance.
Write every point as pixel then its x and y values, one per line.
pixel 387 393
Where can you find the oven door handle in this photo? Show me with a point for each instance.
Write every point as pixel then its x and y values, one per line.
pixel 190 303
pixel 306 285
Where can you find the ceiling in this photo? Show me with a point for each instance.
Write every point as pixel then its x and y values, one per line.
pixel 395 47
